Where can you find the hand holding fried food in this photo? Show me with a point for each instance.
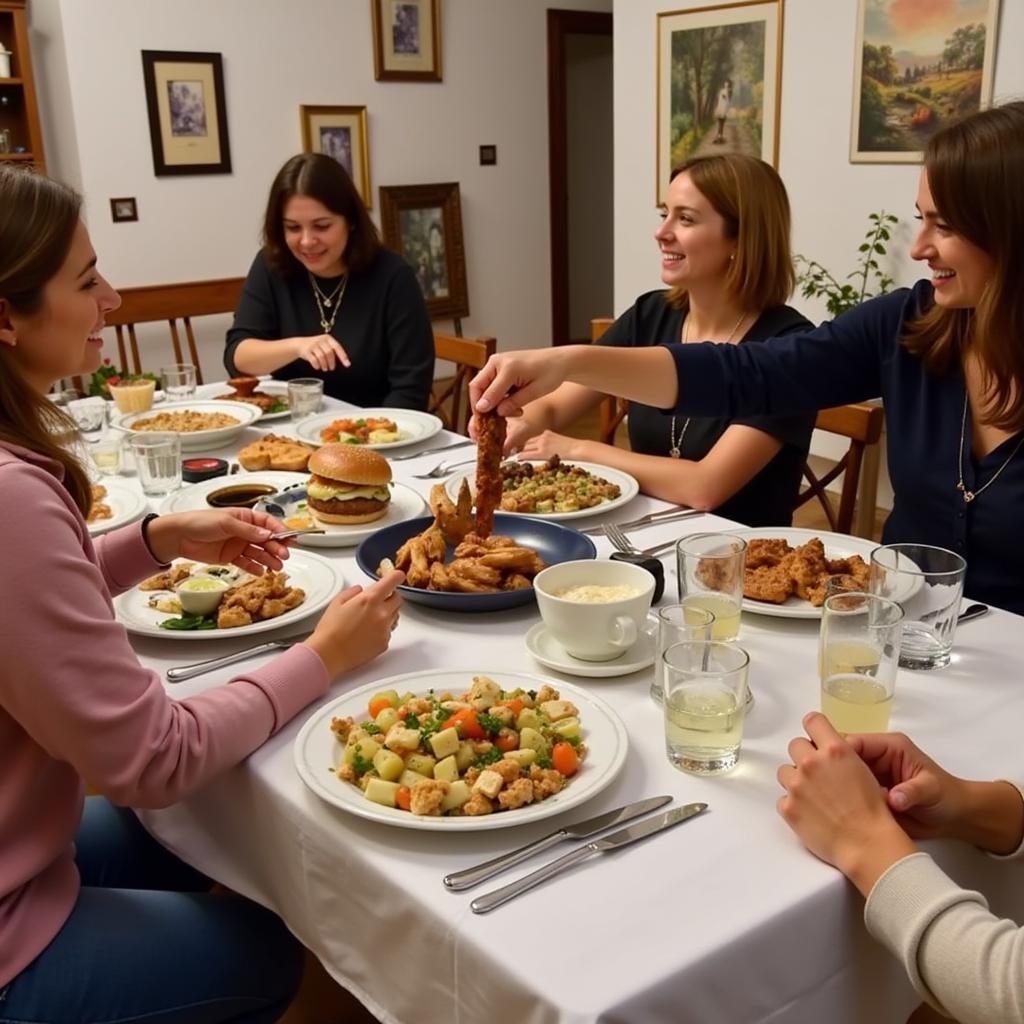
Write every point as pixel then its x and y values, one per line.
pixel 491 442
pixel 776 571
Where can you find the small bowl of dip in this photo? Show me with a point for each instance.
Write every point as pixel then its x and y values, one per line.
pixel 201 594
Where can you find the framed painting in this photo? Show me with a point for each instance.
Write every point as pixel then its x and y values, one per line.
pixel 406 40
pixel 188 123
pixel 918 66
pixel 424 224
pixel 719 83
pixel 340 132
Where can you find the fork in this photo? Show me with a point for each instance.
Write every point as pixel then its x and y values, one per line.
pixel 622 543
pixel 443 468
pixel 666 515
pixel 430 451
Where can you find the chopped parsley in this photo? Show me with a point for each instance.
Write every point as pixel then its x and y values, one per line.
pixel 371 728
pixel 412 721
pixel 492 755
pixel 542 760
pixel 490 723
pixel 360 765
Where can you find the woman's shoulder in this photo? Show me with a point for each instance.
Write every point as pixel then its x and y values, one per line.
pixel 387 263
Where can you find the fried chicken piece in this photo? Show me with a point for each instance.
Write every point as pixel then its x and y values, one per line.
pixel 510 558
pixel 806 564
pixel 434 544
pixel 546 782
pixel 518 794
pixel 469 573
pixel 491 439
pixel 508 769
pixel 770 583
pixel 418 572
pixel 168 580
pixel 517 581
pixel 232 618
pixel 477 804
pixel 451 520
pixel 715 574
pixel 854 566
pixel 341 727
pixel 766 551
pixel 274 606
pixel 439 577
pixel 262 597
pixel 425 797
pixel 99 511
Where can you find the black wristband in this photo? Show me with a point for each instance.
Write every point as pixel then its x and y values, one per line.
pixel 145 536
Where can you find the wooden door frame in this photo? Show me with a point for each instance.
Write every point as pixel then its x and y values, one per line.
pixel 561 24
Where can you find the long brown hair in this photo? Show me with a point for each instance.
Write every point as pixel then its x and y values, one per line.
pixel 321 178
pixel 975 168
pixel 38 217
pixel 749 196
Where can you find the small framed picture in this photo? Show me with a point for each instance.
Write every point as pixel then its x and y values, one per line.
pixel 123 209
pixel 424 224
pixel 188 123
pixel 406 40
pixel 340 132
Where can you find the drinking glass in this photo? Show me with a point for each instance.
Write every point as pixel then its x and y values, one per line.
pixel 710 569
pixel 705 689
pixel 304 396
pixel 158 461
pixel 928 582
pixel 858 652
pixel 89 413
pixel 107 455
pixel 133 396
pixel 677 623
pixel 179 380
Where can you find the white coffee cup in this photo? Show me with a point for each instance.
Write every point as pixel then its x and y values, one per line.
pixel 578 604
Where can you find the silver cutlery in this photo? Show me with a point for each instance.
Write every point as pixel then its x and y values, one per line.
pixel 183 672
pixel 622 543
pixel 430 451
pixel 287 534
pixel 466 879
pixel 617 840
pixel 666 515
pixel 442 469
pixel 973 611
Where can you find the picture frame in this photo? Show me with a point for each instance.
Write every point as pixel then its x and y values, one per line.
pixel 406 40
pixel 423 223
pixel 719 83
pixel 340 132
pixel 188 124
pixel 123 209
pixel 915 72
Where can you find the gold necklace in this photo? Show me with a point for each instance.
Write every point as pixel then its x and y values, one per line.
pixel 676 444
pixel 969 496
pixel 323 300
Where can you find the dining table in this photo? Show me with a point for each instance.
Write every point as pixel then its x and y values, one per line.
pixel 726 919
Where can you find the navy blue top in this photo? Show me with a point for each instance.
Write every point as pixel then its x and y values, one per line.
pixel 767 499
pixel 859 356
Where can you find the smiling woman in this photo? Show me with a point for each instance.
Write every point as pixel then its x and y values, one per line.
pixel 324 298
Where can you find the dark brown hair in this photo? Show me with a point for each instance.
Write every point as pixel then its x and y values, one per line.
pixel 38 217
pixel 749 196
pixel 325 180
pixel 975 168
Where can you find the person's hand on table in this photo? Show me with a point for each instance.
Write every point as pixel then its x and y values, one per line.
pixel 513 379
pixel 517 432
pixel 237 536
pixel 322 352
pixel 357 625
pixel 547 444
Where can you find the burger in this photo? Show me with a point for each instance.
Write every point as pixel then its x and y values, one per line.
pixel 349 484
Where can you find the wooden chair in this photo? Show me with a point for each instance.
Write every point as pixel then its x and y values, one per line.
pixel 612 410
pixel 175 303
pixel 468 355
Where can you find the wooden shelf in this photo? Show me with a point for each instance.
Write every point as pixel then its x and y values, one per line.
pixel 20 114
pixel 16 156
pixel 11 81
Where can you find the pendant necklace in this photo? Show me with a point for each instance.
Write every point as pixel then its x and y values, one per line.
pixel 325 302
pixel 969 496
pixel 676 444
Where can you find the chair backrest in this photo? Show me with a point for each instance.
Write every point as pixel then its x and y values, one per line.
pixel 862 423
pixel 176 304
pixel 451 402
pixel 612 410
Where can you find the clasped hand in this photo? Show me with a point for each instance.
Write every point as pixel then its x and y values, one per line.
pixel 237 536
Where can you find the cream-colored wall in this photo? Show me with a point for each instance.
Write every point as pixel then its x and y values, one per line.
pixel 831 197
pixel 276 57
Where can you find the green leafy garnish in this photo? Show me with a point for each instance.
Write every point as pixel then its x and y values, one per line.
pixel 542 761
pixel 492 755
pixel 371 728
pixel 278 406
pixel 490 723
pixel 412 722
pixel 189 621
pixel 360 765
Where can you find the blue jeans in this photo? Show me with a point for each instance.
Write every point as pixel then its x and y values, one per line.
pixel 147 942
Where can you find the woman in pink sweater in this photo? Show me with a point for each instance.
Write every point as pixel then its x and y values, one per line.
pixel 97 921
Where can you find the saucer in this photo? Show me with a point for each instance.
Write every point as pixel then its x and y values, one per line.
pixel 550 653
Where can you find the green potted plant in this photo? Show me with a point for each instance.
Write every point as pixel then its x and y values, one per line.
pixel 108 374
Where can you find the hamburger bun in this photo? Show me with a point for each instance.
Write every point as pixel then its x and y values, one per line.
pixel 350 484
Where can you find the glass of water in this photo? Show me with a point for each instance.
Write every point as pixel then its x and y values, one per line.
pixel 710 569
pixel 179 380
pixel 158 461
pixel 677 623
pixel 305 394
pixel 705 688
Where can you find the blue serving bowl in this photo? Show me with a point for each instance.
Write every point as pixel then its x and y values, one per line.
pixel 554 543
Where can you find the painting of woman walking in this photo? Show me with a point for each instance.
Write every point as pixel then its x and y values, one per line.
pixel 719 72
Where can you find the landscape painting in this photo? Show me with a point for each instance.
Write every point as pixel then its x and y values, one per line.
pixel 920 65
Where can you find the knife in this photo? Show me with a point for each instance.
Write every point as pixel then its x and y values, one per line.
pixel 431 451
pixel 667 515
pixel 668 819
pixel 460 880
pixel 183 672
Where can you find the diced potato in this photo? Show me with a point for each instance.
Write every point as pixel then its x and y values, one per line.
pixel 365 746
pixel 409 778
pixel 489 783
pixel 381 792
pixel 527 719
pixel 465 755
pixel 388 764
pixel 422 764
pixel 391 696
pixel 558 709
pixel 458 794
pixel 455 705
pixel 445 742
pixel 567 727
pixel 399 738
pixel 447 769
pixel 386 718
pixel 523 757
pixel 530 739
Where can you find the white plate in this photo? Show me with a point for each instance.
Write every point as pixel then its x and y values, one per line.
pixel 628 490
pixel 199 440
pixel 127 504
pixel 320 579
pixel 837 545
pixel 550 653
pixel 277 388
pixel 316 749
pixel 412 425
pixel 193 496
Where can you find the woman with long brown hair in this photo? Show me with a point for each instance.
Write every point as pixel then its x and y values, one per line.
pixel 725 257
pixel 97 921
pixel 946 356
pixel 323 298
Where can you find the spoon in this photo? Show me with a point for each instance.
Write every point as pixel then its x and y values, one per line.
pixel 305 531
pixel 973 611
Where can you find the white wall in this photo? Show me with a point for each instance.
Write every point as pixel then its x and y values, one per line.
pixel 831 197
pixel 276 57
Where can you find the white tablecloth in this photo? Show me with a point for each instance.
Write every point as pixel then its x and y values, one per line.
pixel 727 918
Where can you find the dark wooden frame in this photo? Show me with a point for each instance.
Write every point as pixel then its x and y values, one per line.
pixel 119 218
pixel 384 74
pixel 150 60
pixel 394 199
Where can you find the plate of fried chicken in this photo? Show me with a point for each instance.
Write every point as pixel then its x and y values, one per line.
pixel 787 568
